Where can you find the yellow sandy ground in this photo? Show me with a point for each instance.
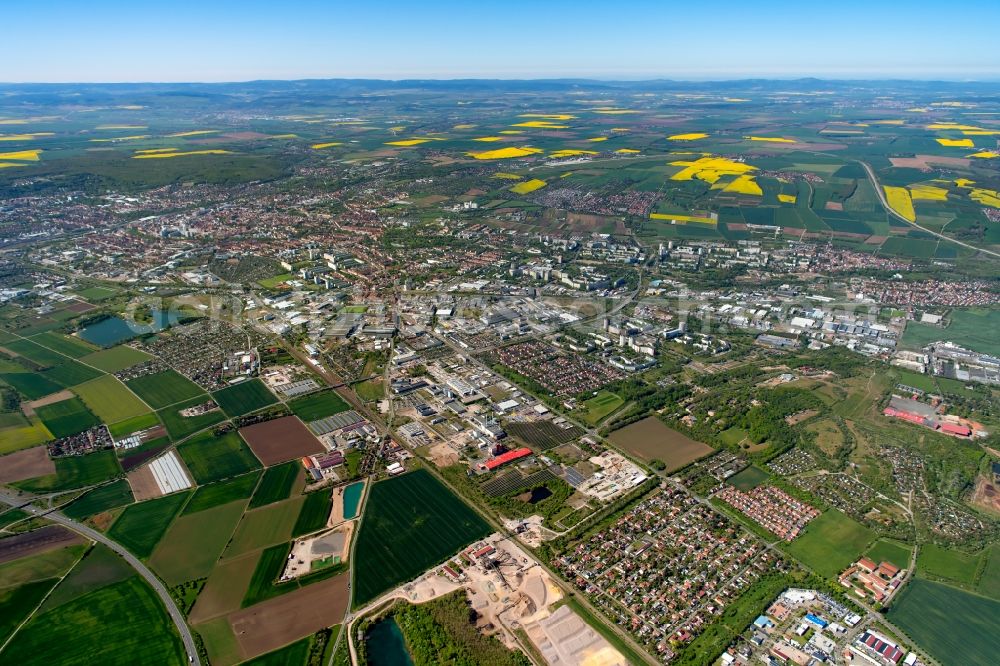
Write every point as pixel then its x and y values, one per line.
pixel 901 202
pixel 504 153
pixel 528 186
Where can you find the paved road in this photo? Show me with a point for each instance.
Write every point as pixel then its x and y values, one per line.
pixel 161 590
pixel 885 204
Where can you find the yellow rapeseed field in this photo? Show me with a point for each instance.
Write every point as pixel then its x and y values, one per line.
pixel 690 136
pixel 989 198
pixel 464 126
pixel 627 151
pixel 981 132
pixel 328 144
pixel 528 186
pixel 548 116
pixel 787 198
pixel 986 154
pixel 598 139
pixel 956 143
pixel 511 132
pixel 734 99
pixel 284 136
pixel 710 169
pixel 121 127
pixel 504 153
pixel 489 139
pixel 21 155
pixel 928 193
pixel 540 124
pixel 156 150
pixel 700 219
pixel 953 126
pixel 770 139
pixel 407 142
pixel 507 176
pixel 183 154
pixel 570 152
pixel 744 185
pixel 615 112
pixel 13 121
pixel 7 165
pixel 25 137
pixel 901 202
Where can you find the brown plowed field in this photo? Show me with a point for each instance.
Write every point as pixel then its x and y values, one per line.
pixel 281 440
pixel 37 541
pixel 26 464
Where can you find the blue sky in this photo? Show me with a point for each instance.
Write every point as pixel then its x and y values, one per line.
pixel 227 40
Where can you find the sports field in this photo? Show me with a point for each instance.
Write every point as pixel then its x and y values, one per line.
pixel 830 543
pixel 192 544
pixel 211 457
pixel 887 550
pixel 955 627
pixel 601 405
pixel 651 439
pixel 222 492
pixel 245 397
pixel 108 398
pixel 749 478
pixel 412 522
pixel 164 388
pixel 141 526
pixel 115 358
pixel 66 417
pixel 317 405
pixel 90 631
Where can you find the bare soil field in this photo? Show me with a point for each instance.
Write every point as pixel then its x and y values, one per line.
pixel 986 496
pixel 59 396
pixel 924 162
pixel 277 622
pixel 26 464
pixel 37 541
pixel 143 484
pixel 651 438
pixel 281 440
pixel 443 455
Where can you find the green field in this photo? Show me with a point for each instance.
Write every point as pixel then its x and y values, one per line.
pixel 64 344
pixel 223 492
pixel 973 328
pixel 212 457
pixel 830 543
pixel 100 566
pixel 314 514
pixel 245 397
pixel 141 526
pixel 954 565
pixel 116 358
pixel 189 549
pixel 36 353
pixel 318 405
pixel 91 630
pixel 277 484
pixel 66 417
pixel 69 373
pixel 18 602
pixel 400 514
pixel 989 581
pixel 75 472
pixel 22 433
pixel 134 424
pixel 955 627
pixel 179 426
pixel 51 564
pixel 108 398
pixel 887 550
pixel 600 406
pixel 164 388
pixel 749 478
pixel 106 497
pixel 294 653
pixel 265 584
pixel 30 384
pixel 265 527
